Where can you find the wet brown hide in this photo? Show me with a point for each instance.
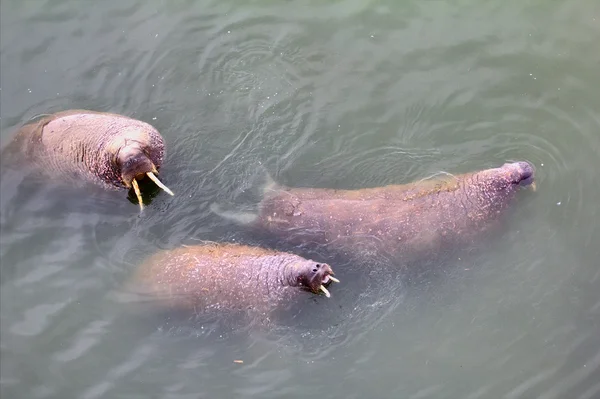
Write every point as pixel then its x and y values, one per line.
pixel 78 146
pixel 405 222
pixel 227 278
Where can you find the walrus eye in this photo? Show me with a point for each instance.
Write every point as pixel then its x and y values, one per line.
pixel 318 266
pixel 314 270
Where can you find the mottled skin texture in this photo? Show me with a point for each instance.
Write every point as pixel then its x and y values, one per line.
pixel 79 145
pixel 227 277
pixel 407 221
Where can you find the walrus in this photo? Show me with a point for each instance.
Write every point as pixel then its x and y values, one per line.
pixel 227 277
pixel 405 222
pixel 110 150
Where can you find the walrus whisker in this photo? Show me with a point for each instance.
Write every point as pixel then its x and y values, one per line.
pixel 159 183
pixel 322 288
pixel 335 280
pixel 138 194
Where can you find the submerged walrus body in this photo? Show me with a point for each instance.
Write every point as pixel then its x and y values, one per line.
pixel 402 221
pixel 110 150
pixel 228 277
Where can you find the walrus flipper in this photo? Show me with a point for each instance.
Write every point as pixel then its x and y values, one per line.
pixel 243 218
pixel 270 184
pixel 246 218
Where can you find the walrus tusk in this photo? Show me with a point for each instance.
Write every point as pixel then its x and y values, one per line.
pixel 322 288
pixel 159 183
pixel 335 280
pixel 533 187
pixel 136 188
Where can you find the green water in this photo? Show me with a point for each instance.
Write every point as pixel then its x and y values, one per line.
pixel 340 94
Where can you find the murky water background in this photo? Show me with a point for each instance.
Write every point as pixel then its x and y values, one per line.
pixel 341 94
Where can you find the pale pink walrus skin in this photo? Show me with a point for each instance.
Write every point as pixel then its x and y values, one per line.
pixel 404 222
pixel 109 150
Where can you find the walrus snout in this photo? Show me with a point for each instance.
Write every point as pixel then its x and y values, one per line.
pixel 522 173
pixel 319 276
pixel 136 165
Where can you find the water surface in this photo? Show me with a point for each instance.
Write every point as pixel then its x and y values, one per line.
pixel 342 94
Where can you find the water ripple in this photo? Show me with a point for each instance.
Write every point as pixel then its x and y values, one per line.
pixel 345 94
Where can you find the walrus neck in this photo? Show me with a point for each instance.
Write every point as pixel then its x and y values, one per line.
pixel 289 269
pixel 433 187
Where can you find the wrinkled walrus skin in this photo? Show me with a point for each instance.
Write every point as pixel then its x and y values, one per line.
pixel 227 277
pixel 110 150
pixel 405 222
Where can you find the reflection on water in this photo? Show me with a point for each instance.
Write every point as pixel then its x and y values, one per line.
pixel 346 94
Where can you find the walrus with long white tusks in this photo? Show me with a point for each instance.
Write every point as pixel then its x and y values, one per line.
pixel 227 278
pixel 407 222
pixel 110 150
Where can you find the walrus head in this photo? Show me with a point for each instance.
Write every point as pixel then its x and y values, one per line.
pixel 509 175
pixel 523 173
pixel 315 276
pixel 134 162
pixel 488 192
